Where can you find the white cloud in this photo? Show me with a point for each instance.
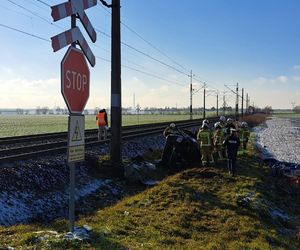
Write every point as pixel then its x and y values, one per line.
pixel 260 80
pixel 164 88
pixel 296 67
pixel 20 92
pixel 281 79
pixel 263 80
pixel 296 78
pixel 6 70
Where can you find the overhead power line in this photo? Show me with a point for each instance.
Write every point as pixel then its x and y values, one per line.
pixel 155 59
pixel 44 3
pixel 35 14
pixel 144 54
pixel 104 59
pixel 24 32
pixel 123 43
pixel 143 72
pixel 146 41
pixel 151 45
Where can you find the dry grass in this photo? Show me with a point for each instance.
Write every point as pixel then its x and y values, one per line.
pixel 254 120
pixel 197 208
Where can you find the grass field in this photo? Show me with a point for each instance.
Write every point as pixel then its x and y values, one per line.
pixel 287 115
pixel 199 208
pixel 14 125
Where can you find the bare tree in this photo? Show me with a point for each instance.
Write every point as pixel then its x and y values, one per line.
pixel 44 110
pixel 58 110
pixel 296 109
pixel 268 110
pixel 20 111
pixel 38 110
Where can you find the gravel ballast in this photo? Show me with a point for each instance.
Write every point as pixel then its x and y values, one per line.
pixel 37 189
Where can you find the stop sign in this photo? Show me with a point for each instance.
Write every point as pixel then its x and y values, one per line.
pixel 75 80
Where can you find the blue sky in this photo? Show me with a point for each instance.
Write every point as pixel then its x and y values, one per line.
pixel 255 43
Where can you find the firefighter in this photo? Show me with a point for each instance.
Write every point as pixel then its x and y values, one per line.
pixel 232 143
pixel 218 140
pixel 229 125
pixel 204 138
pixel 171 134
pixel 244 134
pixel 222 121
pixel 101 120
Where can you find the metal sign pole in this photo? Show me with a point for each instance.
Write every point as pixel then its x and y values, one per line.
pixel 77 95
pixel 72 164
pixel 72 197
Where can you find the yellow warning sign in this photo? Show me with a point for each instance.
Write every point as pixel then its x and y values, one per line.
pixel 76 130
pixel 77 135
pixel 76 153
pixel 76 138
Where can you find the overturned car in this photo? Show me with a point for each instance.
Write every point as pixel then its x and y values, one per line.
pixel 181 147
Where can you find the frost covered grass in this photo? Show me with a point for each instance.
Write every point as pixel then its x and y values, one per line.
pixel 198 208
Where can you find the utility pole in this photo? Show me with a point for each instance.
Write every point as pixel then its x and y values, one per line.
pixel 133 108
pixel 247 106
pixel 204 101
pixel 237 101
pixel 191 96
pixel 224 104
pixel 217 102
pixel 242 102
pixel 116 110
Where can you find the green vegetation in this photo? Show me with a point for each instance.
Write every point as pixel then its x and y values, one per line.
pixel 198 208
pixel 287 115
pixel 14 125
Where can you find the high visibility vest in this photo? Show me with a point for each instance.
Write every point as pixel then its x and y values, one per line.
pixel 218 137
pixel 243 134
pixel 100 119
pixel 204 137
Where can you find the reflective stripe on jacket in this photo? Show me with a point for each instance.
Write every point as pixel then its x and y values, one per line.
pixel 204 136
pixel 218 137
pixel 244 134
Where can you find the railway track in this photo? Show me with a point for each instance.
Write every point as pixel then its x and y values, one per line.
pixel 31 146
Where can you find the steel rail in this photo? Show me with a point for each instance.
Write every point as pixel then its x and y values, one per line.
pixel 32 151
pixel 88 132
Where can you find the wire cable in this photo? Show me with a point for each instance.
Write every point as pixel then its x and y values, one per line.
pixel 24 32
pixel 44 3
pixel 35 14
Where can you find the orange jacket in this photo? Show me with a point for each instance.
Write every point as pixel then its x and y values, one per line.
pixel 100 117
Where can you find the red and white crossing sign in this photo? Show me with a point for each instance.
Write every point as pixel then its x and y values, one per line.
pixel 68 37
pixel 74 7
pixel 63 10
pixel 75 80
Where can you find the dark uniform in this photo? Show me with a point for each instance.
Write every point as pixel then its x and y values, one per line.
pixel 232 143
pixel 228 127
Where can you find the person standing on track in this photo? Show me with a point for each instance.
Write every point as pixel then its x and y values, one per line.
pixel 101 119
pixel 232 143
